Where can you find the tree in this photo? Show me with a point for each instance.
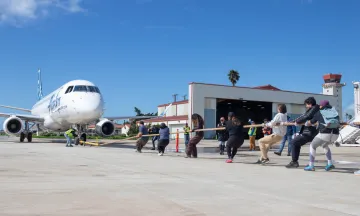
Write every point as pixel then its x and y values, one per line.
pixel 233 76
pixel 134 129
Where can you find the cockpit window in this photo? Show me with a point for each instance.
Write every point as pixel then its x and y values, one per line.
pixel 83 88
pixel 91 89
pixel 69 89
pixel 80 88
pixel 97 89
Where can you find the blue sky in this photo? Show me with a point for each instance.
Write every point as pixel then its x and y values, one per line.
pixel 140 52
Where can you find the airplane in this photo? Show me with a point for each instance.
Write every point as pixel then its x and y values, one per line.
pixel 77 104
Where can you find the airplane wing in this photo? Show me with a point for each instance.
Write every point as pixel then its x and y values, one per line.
pixel 141 117
pixel 130 117
pixel 31 118
pixel 16 108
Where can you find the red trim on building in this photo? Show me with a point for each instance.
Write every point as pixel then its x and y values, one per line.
pixel 255 88
pixel 175 103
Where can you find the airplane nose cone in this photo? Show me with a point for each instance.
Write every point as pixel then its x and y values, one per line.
pixel 91 106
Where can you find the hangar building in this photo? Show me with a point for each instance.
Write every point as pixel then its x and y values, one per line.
pixel 213 101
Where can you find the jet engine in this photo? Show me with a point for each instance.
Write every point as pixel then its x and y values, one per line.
pixel 13 125
pixel 105 127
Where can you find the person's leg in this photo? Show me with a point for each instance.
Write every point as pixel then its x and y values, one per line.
pixel 296 143
pixel 316 142
pixel 190 151
pixel 67 140
pixel 289 138
pixel 327 151
pixel 139 145
pixel 282 145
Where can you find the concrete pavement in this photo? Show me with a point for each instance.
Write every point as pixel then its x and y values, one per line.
pixel 50 179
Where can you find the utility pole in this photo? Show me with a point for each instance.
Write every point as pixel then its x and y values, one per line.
pixel 175 95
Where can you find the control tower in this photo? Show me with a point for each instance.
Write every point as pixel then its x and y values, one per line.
pixel 332 86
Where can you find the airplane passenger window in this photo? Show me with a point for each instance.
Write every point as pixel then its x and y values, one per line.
pixel 80 89
pixel 69 89
pixel 91 89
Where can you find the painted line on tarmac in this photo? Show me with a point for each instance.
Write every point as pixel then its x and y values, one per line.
pixel 347 162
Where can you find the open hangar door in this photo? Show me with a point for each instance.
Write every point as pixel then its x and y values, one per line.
pixel 245 110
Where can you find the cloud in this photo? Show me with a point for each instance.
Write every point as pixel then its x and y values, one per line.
pixel 19 12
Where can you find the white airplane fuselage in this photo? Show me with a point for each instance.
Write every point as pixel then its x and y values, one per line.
pixel 76 102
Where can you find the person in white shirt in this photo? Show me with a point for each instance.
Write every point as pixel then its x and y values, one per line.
pixel 277 135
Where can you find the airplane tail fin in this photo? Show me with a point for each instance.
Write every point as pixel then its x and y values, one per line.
pixel 40 94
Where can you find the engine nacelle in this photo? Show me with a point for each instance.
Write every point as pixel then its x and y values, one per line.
pixel 13 125
pixel 105 127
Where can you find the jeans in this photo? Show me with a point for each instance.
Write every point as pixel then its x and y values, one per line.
pixel 187 139
pixel 297 142
pixel 288 138
pixel 68 139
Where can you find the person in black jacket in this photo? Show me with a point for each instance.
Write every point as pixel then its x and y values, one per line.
pixel 222 135
pixel 236 136
pixel 306 134
pixel 325 136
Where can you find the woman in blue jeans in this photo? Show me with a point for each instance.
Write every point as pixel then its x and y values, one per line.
pixel 291 130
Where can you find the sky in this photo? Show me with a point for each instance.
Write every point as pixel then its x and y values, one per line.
pixel 141 52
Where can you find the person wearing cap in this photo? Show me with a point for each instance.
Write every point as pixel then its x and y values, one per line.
pixel 164 138
pixel 325 137
pixel 307 132
pixel 252 136
pixel 198 121
pixel 236 136
pixel 222 135
pixel 141 142
pixel 278 133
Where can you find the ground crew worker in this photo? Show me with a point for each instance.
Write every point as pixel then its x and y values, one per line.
pixel 164 138
pixel 68 134
pixel 198 122
pixel 236 136
pixel 186 134
pixel 222 135
pixel 252 137
pixel 141 142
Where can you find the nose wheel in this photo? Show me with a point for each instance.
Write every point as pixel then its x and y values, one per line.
pixel 26 134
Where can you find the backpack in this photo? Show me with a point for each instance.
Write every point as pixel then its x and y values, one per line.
pixel 331 118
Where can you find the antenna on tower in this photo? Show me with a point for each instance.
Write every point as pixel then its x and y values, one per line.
pixel 175 96
pixel 40 94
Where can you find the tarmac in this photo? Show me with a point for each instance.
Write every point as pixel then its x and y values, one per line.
pixel 44 178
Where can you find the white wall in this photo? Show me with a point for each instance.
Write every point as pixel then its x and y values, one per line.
pixel 175 110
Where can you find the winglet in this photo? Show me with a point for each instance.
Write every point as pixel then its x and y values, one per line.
pixel 16 108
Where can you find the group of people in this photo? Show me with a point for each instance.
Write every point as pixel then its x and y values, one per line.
pixel 320 125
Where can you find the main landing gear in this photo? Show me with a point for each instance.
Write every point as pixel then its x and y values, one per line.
pixel 81 135
pixel 26 133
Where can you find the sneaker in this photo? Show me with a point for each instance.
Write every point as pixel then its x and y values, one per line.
pixel 357 173
pixel 138 151
pixel 258 161
pixel 71 146
pixel 292 164
pixel 288 154
pixel 153 148
pixel 329 167
pixel 265 161
pixel 160 154
pixel 277 153
pixel 309 168
pixel 228 161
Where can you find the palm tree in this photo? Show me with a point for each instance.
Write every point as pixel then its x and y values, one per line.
pixel 233 76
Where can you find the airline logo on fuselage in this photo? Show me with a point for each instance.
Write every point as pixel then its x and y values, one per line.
pixel 54 102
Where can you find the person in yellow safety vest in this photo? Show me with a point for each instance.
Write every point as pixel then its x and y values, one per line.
pixel 68 135
pixel 252 137
pixel 186 134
